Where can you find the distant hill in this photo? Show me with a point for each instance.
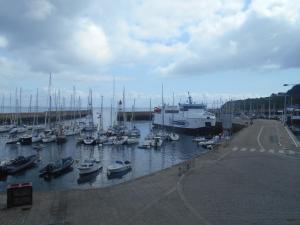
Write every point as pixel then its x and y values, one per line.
pixel 262 104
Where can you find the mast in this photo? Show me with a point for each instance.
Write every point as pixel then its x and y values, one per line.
pixel 113 100
pixel 101 115
pixel 150 115
pixel 163 105
pixel 124 114
pixel 50 101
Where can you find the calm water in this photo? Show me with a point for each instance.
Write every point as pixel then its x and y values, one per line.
pixel 144 161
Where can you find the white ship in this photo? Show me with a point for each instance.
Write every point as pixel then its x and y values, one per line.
pixel 188 118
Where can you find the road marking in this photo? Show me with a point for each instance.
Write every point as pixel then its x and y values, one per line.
pixel 291 152
pixel 271 151
pixel 252 150
pixel 291 136
pixel 262 150
pixel 243 149
pixel 281 151
pixel 235 149
pixel 258 138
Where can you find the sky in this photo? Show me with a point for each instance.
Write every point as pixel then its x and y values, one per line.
pixel 216 50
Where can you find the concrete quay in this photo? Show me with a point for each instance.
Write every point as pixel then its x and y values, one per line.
pixel 252 179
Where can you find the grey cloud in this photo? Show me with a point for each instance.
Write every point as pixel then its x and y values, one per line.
pixel 260 42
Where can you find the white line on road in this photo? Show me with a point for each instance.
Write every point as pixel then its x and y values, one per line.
pixel 291 136
pixel 258 138
pixel 262 150
pixel 271 151
pixel 235 149
pixel 243 149
pixel 252 150
pixel 281 151
pixel 291 152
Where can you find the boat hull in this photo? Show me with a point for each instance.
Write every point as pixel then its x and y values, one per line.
pixel 213 130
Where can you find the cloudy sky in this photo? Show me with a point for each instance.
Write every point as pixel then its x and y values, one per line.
pixel 214 49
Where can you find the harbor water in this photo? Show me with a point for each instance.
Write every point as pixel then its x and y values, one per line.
pixel 144 161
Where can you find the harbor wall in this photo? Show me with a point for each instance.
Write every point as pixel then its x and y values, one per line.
pixel 29 117
pixel 139 115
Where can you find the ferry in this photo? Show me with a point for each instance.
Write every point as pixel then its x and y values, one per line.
pixel 190 118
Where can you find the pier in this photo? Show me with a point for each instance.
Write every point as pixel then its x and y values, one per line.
pixel 251 179
pixel 29 117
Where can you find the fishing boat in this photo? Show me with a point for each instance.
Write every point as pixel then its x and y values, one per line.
pixel 19 164
pixel 89 166
pixel 57 168
pixel 118 167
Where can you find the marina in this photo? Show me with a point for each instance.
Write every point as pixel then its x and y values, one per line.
pixel 144 161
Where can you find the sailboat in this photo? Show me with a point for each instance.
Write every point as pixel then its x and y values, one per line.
pixel 89 139
pixel 49 133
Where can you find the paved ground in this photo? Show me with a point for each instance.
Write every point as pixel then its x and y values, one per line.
pixel 253 180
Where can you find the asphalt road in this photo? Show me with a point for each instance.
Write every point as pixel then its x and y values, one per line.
pixel 252 180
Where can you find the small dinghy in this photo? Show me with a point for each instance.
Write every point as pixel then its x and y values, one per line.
pixel 118 166
pixel 57 168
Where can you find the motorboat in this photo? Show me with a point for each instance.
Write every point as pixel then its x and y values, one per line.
pixel 157 142
pixel 146 144
pixel 57 168
pixel 5 128
pixel 110 140
pixel 173 136
pixel 18 130
pixel 89 166
pixel 134 132
pixel 120 140
pixel 198 139
pixel 89 140
pixel 19 164
pixel 26 139
pixel 118 166
pixel 12 139
pixel 49 137
pixel 132 140
pixel 72 131
pixel 36 137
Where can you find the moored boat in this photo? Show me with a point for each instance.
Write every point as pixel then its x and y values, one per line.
pixel 19 164
pixel 118 166
pixel 89 166
pixel 57 168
